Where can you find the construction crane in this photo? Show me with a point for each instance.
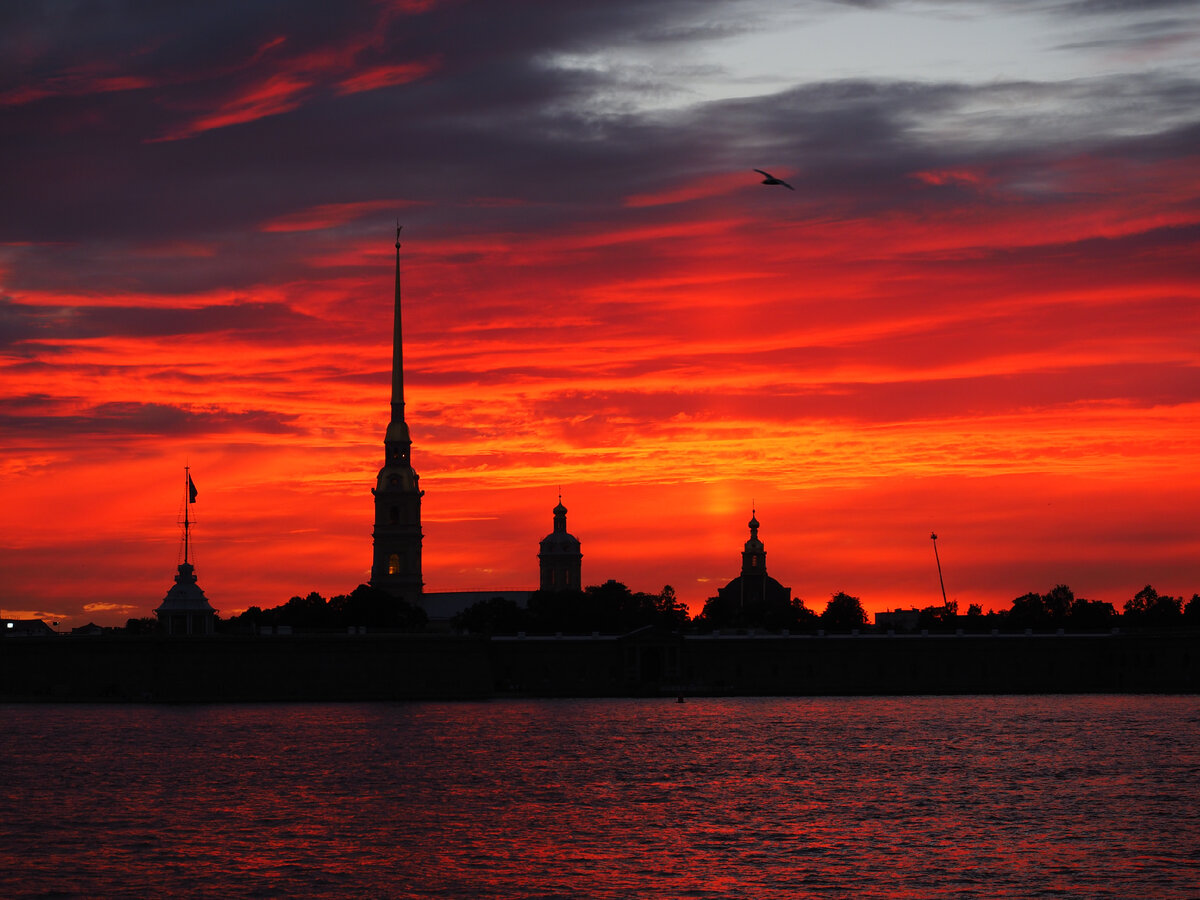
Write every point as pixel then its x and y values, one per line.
pixel 945 602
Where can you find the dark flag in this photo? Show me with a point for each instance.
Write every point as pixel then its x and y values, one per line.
pixel 191 490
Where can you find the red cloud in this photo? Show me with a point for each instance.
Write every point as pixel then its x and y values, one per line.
pixel 278 94
pixel 953 176
pixel 75 84
pixel 330 215
pixel 708 186
pixel 385 76
pixel 295 79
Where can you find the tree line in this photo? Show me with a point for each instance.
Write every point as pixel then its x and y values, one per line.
pixel 613 608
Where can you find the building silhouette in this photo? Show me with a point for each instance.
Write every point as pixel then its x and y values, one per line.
pixel 185 609
pixel 559 558
pixel 396 559
pixel 753 589
pixel 12 628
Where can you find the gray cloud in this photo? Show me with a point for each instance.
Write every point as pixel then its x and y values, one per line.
pixel 496 122
pixel 47 419
pixel 22 322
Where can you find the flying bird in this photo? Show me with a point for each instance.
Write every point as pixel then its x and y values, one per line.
pixel 771 179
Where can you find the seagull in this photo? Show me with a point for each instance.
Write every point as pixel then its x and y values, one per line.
pixel 771 179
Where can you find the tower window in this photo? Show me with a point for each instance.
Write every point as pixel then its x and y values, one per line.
pixel 394 564
pixel 394 514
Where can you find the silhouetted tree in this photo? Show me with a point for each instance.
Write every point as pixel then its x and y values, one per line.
pixel 610 608
pixel 1033 610
pixel 669 610
pixel 143 625
pixel 772 613
pixel 1092 614
pixel 976 620
pixel 615 609
pixel 1027 611
pixel 1148 607
pixel 375 608
pixel 939 616
pixel 364 605
pixel 843 612
pixel 794 616
pixel 565 611
pixel 1191 612
pixel 307 612
pixel 495 615
pixel 252 617
pixel 1058 603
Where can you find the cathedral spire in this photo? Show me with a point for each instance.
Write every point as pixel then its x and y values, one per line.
pixel 397 345
pixel 396 559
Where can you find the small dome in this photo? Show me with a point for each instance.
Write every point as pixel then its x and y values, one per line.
pixel 754 545
pixel 560 542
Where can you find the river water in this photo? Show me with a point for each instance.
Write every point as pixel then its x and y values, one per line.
pixel 1075 796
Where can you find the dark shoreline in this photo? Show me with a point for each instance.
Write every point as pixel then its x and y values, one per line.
pixel 338 667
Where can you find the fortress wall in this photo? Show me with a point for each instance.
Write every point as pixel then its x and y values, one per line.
pixel 410 667
pixel 946 664
pixel 215 669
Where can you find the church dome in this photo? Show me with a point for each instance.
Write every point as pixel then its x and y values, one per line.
pixel 754 545
pixel 560 540
pixel 757 587
pixel 559 555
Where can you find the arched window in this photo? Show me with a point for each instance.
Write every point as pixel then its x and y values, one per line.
pixel 393 514
pixel 394 564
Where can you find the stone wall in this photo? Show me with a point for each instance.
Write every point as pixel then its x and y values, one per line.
pixel 411 667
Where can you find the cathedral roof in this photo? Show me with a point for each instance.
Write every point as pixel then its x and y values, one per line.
pixel 757 585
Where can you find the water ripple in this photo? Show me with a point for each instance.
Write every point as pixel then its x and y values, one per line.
pixel 870 797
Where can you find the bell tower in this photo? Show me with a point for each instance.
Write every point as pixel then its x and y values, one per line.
pixel 754 554
pixel 560 560
pixel 396 562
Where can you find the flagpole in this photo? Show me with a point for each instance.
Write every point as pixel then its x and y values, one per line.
pixel 187 483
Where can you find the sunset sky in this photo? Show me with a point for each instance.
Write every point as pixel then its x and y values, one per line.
pixel 976 314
